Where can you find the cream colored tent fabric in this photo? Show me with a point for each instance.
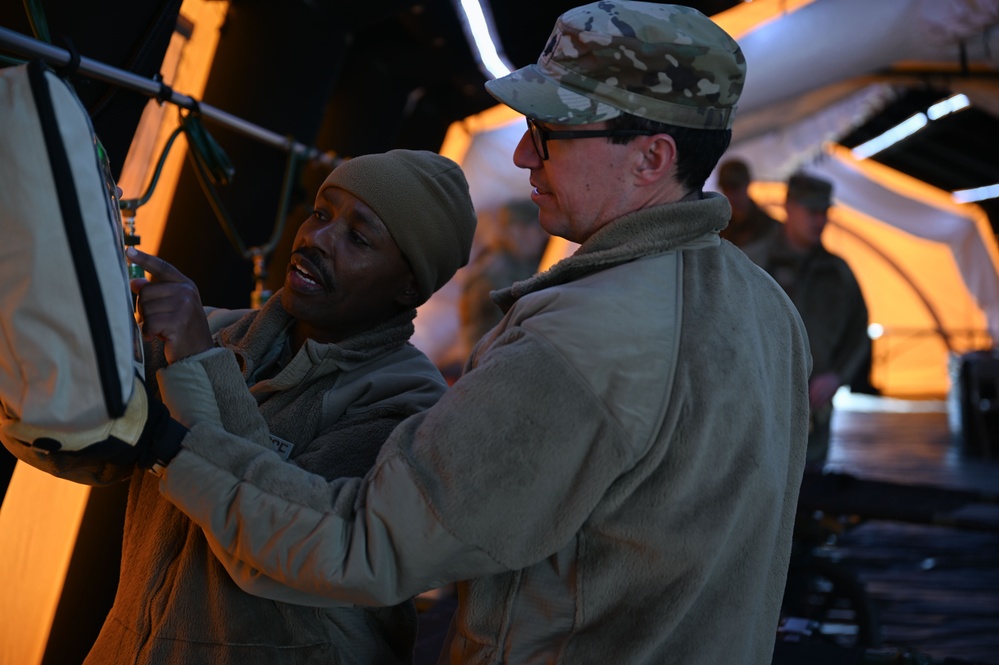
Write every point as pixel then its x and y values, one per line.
pixel 928 267
pixel 799 61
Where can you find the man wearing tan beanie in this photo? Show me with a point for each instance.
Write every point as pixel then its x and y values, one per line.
pixel 422 198
pixel 320 376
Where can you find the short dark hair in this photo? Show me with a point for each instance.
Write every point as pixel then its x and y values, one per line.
pixel 698 150
pixel 734 173
pixel 809 191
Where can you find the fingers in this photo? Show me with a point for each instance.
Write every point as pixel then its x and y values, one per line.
pixel 168 299
pixel 160 270
pixel 173 313
pixel 165 308
pixel 822 388
pixel 136 284
pixel 169 307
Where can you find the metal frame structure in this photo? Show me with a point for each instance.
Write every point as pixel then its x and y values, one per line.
pixel 59 57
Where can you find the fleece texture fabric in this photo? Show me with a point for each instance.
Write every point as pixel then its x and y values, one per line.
pixel 612 480
pixel 327 409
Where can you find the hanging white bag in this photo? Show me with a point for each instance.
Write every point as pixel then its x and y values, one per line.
pixel 71 360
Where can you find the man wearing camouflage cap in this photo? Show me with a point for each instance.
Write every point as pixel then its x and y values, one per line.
pixel 828 297
pixel 614 477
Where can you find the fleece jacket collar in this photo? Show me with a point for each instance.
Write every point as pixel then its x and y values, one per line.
pixel 254 337
pixel 639 234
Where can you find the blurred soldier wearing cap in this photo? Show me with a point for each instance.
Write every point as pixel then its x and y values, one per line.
pixel 614 477
pixel 828 297
pixel 749 221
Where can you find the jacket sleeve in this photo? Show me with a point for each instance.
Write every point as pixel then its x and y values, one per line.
pixel 209 388
pixel 486 481
pixel 359 440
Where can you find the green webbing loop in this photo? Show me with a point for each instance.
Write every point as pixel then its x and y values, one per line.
pixel 212 169
pixel 206 150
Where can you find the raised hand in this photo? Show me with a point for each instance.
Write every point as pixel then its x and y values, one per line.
pixel 822 388
pixel 170 307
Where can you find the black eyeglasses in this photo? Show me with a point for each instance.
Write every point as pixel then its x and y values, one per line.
pixel 542 135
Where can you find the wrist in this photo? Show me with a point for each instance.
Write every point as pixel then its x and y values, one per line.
pixel 166 446
pixel 160 440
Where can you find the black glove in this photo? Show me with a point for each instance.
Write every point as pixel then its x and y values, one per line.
pixel 160 438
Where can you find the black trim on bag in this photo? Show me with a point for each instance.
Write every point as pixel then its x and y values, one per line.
pixel 79 245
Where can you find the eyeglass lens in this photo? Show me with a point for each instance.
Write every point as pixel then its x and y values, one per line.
pixel 537 136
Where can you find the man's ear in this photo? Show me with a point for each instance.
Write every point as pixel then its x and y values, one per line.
pixel 657 157
pixel 410 294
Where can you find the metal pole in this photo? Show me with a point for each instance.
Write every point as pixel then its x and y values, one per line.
pixel 32 48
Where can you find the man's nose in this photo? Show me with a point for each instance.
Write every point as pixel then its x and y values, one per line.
pixel 323 236
pixel 525 155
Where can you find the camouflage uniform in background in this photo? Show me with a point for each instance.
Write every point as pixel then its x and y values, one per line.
pixel 513 246
pixel 749 222
pixel 752 234
pixel 829 300
pixel 756 224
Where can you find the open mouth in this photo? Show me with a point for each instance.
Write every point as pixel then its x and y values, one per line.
pixel 306 274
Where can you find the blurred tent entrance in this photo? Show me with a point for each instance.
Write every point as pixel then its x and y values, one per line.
pixel 929 267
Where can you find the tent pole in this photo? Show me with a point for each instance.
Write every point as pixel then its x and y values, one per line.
pixel 58 57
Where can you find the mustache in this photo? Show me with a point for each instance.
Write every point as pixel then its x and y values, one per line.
pixel 317 263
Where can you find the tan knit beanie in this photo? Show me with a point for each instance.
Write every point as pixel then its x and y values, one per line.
pixel 422 198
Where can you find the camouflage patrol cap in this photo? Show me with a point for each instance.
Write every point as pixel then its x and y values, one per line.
pixel 809 192
pixel 666 63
